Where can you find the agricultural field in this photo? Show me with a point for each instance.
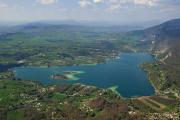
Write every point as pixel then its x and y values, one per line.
pixel 63 45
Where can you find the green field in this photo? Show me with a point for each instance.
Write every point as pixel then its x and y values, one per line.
pixel 63 45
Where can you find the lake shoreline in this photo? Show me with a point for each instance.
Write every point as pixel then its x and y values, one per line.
pixel 111 64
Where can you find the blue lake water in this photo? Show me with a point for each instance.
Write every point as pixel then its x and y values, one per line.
pixel 123 72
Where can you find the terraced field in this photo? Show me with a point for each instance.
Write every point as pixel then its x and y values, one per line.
pixel 152 103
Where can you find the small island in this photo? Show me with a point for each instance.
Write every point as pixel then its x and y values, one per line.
pixel 59 77
pixel 67 75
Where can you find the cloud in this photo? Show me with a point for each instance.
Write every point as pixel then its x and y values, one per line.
pixel 114 7
pixel 146 2
pixel 116 4
pixel 5 10
pixel 3 5
pixel 84 3
pixel 98 1
pixel 47 2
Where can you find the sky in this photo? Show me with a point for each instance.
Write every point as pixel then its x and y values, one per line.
pixel 120 11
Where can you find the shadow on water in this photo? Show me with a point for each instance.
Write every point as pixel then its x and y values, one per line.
pixel 6 67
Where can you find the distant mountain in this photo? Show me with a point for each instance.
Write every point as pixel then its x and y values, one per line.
pixel 9 29
pixel 102 25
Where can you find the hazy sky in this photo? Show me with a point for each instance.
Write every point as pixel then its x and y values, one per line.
pixel 91 10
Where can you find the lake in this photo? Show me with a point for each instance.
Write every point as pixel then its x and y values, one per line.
pixel 124 73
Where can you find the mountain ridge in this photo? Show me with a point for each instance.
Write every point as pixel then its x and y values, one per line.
pixel 165 41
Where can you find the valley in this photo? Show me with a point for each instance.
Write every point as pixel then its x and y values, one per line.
pixel 45 46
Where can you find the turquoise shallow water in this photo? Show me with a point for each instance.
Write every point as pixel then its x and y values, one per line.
pixel 123 72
